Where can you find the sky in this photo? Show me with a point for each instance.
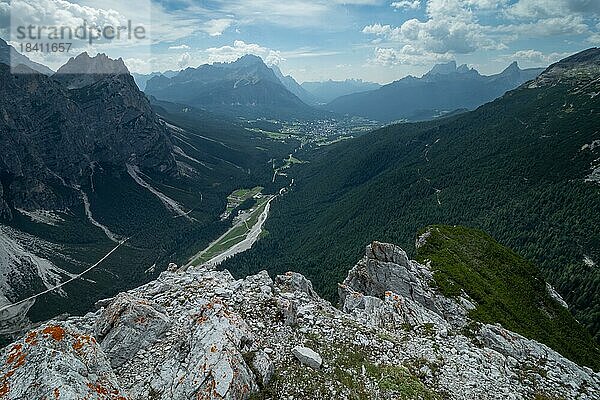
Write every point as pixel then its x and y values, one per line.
pixel 314 40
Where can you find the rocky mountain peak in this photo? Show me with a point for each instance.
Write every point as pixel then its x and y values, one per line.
pixel 200 331
pixel 100 64
pixel 249 59
pixel 513 67
pixel 443 68
pixel 84 70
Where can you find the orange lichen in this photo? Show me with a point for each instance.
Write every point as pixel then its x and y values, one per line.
pixel 20 361
pixel 82 341
pixel 14 354
pixel 56 393
pixel 31 338
pixel 4 389
pixel 56 332
pixel 140 320
pixel 213 349
pixel 98 389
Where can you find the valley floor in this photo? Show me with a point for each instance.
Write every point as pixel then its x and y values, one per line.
pixel 246 230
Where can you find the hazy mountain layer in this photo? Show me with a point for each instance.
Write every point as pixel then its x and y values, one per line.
pixel 442 90
pixel 328 91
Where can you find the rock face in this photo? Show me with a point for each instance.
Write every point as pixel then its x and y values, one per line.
pixel 57 361
pixel 202 334
pixel 50 126
pixel 84 70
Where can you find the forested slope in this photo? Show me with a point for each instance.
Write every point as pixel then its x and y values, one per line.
pixel 519 168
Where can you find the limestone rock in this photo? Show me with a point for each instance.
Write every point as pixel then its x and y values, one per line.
pixel 308 357
pixel 127 325
pixel 263 367
pixel 293 281
pixel 57 361
pixel 201 334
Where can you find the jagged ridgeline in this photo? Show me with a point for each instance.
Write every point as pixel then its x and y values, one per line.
pixel 506 288
pixel 522 168
pixel 200 333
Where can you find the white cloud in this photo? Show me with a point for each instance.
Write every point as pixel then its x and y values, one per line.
pixel 406 4
pixel 458 27
pixel 535 9
pixel 531 56
pixel 184 60
pixel 407 55
pixel 451 27
pixel 216 27
pixel 180 47
pixel 240 49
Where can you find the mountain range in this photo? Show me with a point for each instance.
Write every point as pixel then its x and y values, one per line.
pixel 246 87
pixel 327 91
pixel 444 89
pixel 494 196
pixel 142 79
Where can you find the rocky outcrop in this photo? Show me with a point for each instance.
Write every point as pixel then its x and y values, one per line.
pixel 307 357
pixel 57 360
pixel 84 70
pixel 580 69
pixel 202 334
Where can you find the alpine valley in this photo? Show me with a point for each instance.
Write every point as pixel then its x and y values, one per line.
pixel 225 232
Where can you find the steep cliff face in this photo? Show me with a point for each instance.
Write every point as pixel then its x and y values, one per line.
pixel 199 333
pixel 55 128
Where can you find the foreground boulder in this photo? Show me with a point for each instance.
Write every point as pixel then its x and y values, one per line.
pixel 201 334
pixel 57 360
pixel 307 357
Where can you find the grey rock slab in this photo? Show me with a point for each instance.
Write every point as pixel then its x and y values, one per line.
pixel 307 357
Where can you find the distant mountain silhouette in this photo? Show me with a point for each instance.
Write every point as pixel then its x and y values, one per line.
pixel 246 87
pixel 328 91
pixel 443 89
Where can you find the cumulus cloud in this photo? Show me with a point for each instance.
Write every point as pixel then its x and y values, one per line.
pixel 407 55
pixel 535 9
pixel 451 27
pixel 240 49
pixel 216 27
pixel 458 27
pixel 406 4
pixel 62 13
